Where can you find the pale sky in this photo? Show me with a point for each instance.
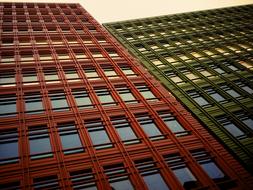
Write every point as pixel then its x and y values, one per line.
pixel 116 10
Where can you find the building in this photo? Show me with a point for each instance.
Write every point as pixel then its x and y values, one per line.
pixel 205 59
pixel 78 112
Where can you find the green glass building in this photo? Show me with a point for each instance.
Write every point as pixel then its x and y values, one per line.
pixel 205 59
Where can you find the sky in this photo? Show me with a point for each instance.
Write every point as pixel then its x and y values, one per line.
pixel 117 10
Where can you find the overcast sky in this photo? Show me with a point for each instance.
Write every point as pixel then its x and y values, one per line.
pixel 116 10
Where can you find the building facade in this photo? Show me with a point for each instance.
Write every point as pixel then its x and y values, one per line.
pixel 205 59
pixel 78 112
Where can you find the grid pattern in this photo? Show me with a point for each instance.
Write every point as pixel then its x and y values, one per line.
pixel 205 59
pixel 77 111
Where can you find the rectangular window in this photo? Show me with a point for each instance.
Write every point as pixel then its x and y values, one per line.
pixel 58 100
pixel 70 138
pixel 110 73
pixel 82 98
pixel 149 127
pixel 230 91
pixel 118 177
pixel 105 97
pixel 80 56
pixel 212 169
pixel 214 94
pixel 173 76
pixel 7 78
pixel 71 75
pixel 231 127
pixel 9 146
pixel 44 58
pixel 98 134
pixel 51 76
pixel 8 105
pixel 172 123
pixel 245 87
pixel 181 171
pixel 39 141
pixel 7 59
pixel 198 98
pixel 83 179
pixel 150 174
pixel 146 93
pixel 126 95
pixel 33 103
pixel 48 182
pixel 124 130
pixel 128 71
pixel 245 118
pixel 29 77
pixel 91 74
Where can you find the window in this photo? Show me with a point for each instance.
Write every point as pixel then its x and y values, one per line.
pixel 30 77
pixel 51 75
pixel 71 75
pixel 39 141
pixel 231 127
pixel 197 98
pixel 33 103
pixel 146 92
pixel 172 123
pixel 212 169
pixel 44 58
pixel 128 71
pixel 245 118
pixel 150 174
pixel 126 95
pixel 110 73
pixel 124 130
pixel 189 74
pixel 15 185
pixel 97 55
pixel 91 74
pixel 82 98
pixel 217 68
pixel 70 138
pixel 58 100
pixel 173 76
pixel 7 78
pixel 181 171
pixel 83 179
pixel 80 56
pixel 245 87
pixel 25 58
pixel 64 56
pixel 230 91
pixel 105 97
pixel 98 134
pixel 48 182
pixel 158 63
pixel 215 95
pixel 118 177
pixel 149 127
pixel 8 105
pixel 8 146
pixel 7 59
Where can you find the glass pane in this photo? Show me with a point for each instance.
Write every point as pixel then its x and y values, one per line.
pixel 174 126
pixel 122 185
pixel 147 94
pixel 155 182
pixel 61 103
pixel 105 98
pixel 233 93
pixel 99 137
pixel 8 150
pixel 150 129
pixel 247 89
pixel 217 97
pixel 70 141
pixel 201 101
pixel 7 108
pixel 234 130
pixel 212 170
pixel 126 133
pixel 127 96
pixel 185 177
pixel 33 106
pixel 39 146
pixel 83 101
pixel 248 122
